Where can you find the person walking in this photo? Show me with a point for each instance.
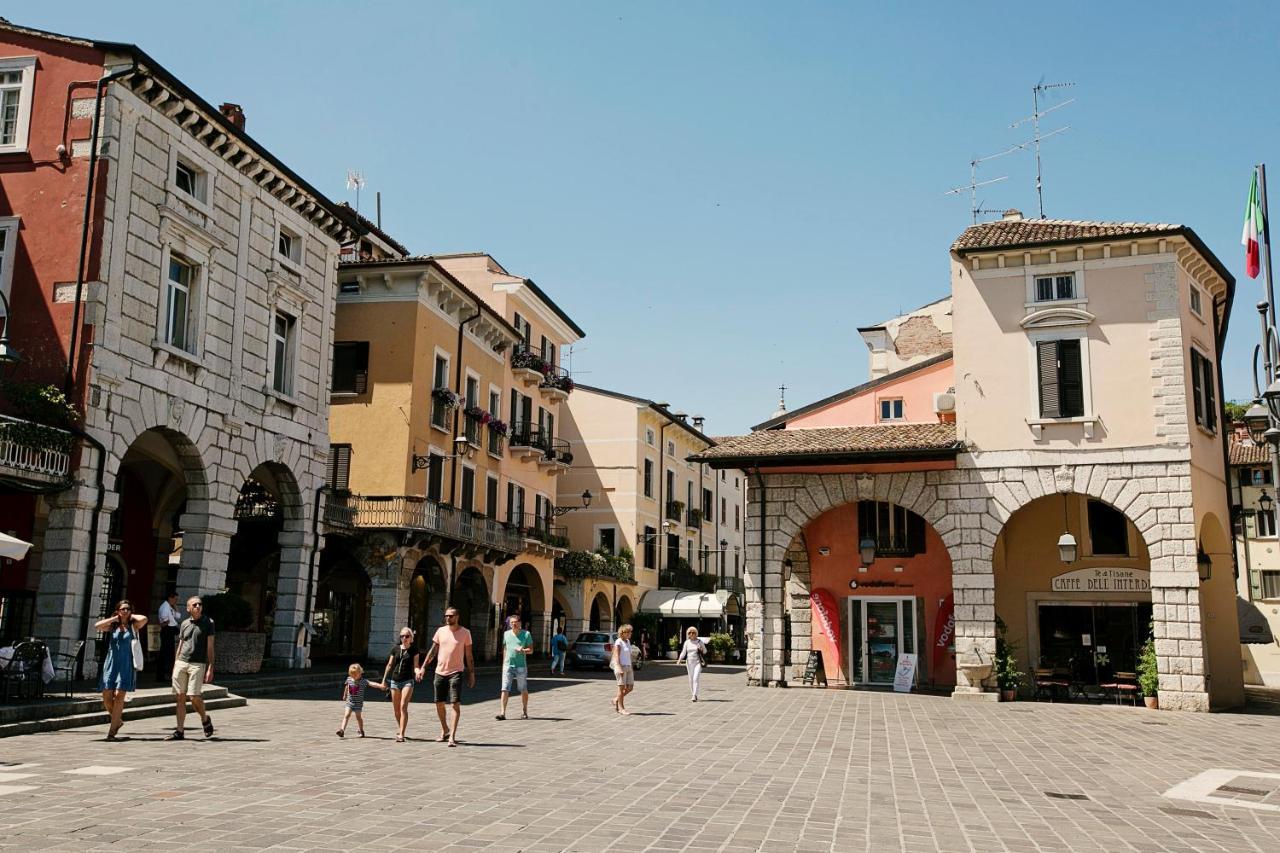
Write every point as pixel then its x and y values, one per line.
pixel 694 654
pixel 193 668
pixel 402 672
pixel 169 617
pixel 559 647
pixel 353 690
pixel 620 663
pixel 119 676
pixel 452 644
pixel 516 644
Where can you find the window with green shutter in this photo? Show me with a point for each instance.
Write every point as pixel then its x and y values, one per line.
pixel 1061 378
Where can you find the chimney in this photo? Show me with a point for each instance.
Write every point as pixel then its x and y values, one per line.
pixel 233 113
pixel 698 421
pixel 1010 215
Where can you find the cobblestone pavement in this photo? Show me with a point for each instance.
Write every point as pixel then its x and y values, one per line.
pixel 745 769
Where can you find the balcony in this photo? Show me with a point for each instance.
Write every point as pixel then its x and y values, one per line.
pixel 520 437
pixel 557 385
pixel 454 529
pixel 556 456
pixel 339 513
pixel 34 457
pixel 578 565
pixel 687 579
pixel 694 517
pixel 675 511
pixel 540 536
pixel 528 367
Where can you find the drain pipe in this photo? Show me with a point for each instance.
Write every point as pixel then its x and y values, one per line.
pixel 88 209
pixel 93 540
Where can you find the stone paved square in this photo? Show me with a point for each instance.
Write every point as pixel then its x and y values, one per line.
pixel 745 769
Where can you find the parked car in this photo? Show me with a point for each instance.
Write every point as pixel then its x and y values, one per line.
pixel 594 648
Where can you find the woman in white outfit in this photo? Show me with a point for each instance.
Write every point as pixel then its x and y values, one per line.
pixel 693 653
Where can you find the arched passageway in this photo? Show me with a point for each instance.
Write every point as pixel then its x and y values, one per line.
pixel 426 599
pixel 599 619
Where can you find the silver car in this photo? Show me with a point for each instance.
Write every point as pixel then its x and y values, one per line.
pixel 593 648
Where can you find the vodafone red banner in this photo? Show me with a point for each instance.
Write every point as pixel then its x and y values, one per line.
pixel 827 618
pixel 944 629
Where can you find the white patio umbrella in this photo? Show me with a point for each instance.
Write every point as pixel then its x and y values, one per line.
pixel 14 549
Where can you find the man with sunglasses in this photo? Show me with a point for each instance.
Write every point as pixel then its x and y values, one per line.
pixel 452 643
pixel 194 666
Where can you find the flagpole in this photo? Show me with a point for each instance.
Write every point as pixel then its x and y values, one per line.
pixel 1266 242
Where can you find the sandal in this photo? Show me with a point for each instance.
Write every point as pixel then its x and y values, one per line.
pixel 208 726
pixel 499 716
pixel 453 743
pixel 340 733
pixel 399 738
pixel 524 716
pixel 178 734
pixel 361 733
pixel 444 736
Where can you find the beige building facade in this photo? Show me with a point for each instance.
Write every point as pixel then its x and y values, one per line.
pixel 1257 559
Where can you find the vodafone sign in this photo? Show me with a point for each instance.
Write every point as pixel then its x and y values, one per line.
pixel 944 630
pixel 827 618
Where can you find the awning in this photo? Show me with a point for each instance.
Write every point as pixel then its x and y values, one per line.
pixel 1253 623
pixel 690 605
pixel 14 549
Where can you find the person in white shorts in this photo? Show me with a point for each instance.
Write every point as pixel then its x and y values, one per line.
pixel 193 668
pixel 620 663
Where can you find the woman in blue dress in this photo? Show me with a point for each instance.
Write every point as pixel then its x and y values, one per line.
pixel 118 676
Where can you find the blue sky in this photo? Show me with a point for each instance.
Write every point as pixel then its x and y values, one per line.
pixel 720 193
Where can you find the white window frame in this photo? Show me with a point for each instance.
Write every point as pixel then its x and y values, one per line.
pixel 671 448
pixel 1197 296
pixel 650 437
pixel 595 537
pixel 901 406
pixel 286 385
pixel 294 261
pixel 9 227
pixel 26 92
pixel 191 331
pixel 1075 269
pixel 448 365
pixel 1062 333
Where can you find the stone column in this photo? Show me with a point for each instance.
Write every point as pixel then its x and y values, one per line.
pixel 765 630
pixel 207 528
pixel 288 648
pixel 389 590
pixel 1175 600
pixel 63 615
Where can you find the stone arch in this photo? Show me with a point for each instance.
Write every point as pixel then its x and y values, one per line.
pixel 426 597
pixel 624 611
pixel 564 615
pixel 599 613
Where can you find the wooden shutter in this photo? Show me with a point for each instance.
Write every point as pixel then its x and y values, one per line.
pixel 1070 379
pixel 1047 359
pixel 1196 393
pixel 1210 397
pixel 338 468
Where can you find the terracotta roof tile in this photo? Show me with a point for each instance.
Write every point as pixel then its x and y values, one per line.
pixel 885 439
pixel 1007 233
pixel 1249 454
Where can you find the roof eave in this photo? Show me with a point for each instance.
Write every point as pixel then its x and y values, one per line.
pixel 861 457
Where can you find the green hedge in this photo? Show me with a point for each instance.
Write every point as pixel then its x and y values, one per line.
pixel 589 564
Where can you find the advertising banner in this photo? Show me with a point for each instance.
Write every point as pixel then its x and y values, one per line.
pixel 944 630
pixel 826 619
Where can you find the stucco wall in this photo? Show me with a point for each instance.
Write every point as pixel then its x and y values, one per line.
pixel 916 390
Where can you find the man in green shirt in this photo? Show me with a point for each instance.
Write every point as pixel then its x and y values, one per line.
pixel 516 643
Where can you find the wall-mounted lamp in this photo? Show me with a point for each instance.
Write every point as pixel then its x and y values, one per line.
pixel 462 450
pixel 867 551
pixel 586 502
pixel 1265 502
pixel 1067 548
pixel 1204 564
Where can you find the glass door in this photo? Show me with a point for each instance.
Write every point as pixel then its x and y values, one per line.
pixel 883 634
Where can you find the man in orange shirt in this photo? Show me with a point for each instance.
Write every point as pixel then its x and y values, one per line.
pixel 452 643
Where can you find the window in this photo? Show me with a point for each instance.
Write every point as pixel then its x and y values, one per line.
pixel 1053 287
pixel 283 343
pixel 338 469
pixel 468 500
pixel 515 504
pixel 491 497
pixel 648 478
pixel 1264 524
pixel 522 327
pixel 495 413
pixel 1259 476
pixel 723 506
pixel 8 251
pixel 349 287
pixel 891 410
pixel 671 486
pixel 435 476
pixel 671 449
pixel 649 436
pixel 1270 584
pixel 178 295
pixel 186 179
pixel 350 367
pixel 440 380
pixel 17 78
pixel 607 540
pixel 1108 531
pixel 1061 379
pixel 897 531
pixel 548 351
pixel 471 425
pixel 650 547
pixel 289 247
pixel 673 550
pixel 708 506
pixel 737 519
pixel 1195 301
pixel 1203 391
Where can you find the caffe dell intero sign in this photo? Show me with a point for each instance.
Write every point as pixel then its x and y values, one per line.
pixel 1103 580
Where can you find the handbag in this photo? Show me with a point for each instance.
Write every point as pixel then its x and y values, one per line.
pixel 139 659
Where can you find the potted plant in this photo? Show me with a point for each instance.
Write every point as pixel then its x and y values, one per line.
pixel 446 398
pixel 1009 676
pixel 1149 674
pixel 718 646
pixel 673 647
pixel 238 650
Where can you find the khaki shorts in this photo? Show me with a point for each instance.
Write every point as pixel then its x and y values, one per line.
pixel 625 675
pixel 188 678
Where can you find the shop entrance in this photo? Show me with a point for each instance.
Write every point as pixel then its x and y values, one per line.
pixel 880 629
pixel 1092 640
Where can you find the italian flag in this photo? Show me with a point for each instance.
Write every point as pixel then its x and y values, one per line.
pixel 1254 226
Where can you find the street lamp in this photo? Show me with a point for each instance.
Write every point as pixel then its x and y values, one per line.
pixel 1265 502
pixel 867 551
pixel 1257 421
pixel 1067 548
pixel 586 502
pixel 462 450
pixel 9 357
pixel 1204 564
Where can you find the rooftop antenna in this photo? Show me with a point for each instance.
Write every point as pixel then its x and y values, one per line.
pixel 1036 91
pixel 355 180
pixel 975 207
pixel 569 352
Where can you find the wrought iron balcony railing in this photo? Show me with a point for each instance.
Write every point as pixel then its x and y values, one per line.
pixel 541 529
pixel 339 512
pixel 33 455
pixel 400 512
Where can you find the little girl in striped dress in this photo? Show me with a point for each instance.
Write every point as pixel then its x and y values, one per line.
pixel 353 697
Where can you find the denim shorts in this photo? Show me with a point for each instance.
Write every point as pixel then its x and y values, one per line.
pixel 392 684
pixel 517 676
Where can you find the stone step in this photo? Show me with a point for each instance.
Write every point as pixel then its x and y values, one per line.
pixel 86 702
pixel 138 709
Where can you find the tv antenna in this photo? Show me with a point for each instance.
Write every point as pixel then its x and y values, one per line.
pixel 355 180
pixel 1037 90
pixel 974 205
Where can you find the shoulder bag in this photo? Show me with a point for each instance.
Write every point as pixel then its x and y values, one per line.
pixel 139 659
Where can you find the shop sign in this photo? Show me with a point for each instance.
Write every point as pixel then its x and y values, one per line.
pixel 944 630
pixel 1103 580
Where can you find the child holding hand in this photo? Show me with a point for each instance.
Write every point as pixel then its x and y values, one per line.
pixel 353 697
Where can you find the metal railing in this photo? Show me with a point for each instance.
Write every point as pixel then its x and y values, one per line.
pixel 34 451
pixel 471 425
pixel 557 377
pixel 734 585
pixel 675 509
pixel 521 435
pixel 398 512
pixel 540 528
pixel 339 513
pixel 676 579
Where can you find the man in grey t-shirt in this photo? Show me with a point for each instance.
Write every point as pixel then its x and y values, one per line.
pixel 194 667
